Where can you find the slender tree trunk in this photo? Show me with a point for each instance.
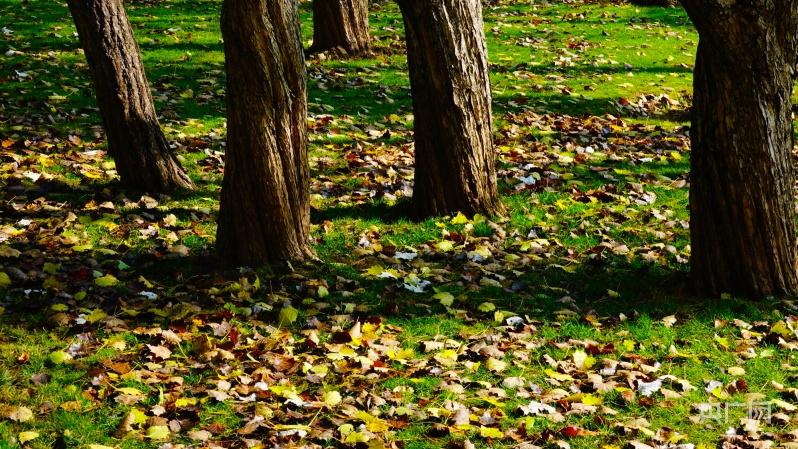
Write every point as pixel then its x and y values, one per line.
pixel 447 57
pixel 341 25
pixel 143 158
pixel 265 210
pixel 742 201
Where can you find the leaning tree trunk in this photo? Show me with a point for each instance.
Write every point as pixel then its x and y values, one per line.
pixel 143 158
pixel 447 57
pixel 742 201
pixel 341 26
pixel 265 209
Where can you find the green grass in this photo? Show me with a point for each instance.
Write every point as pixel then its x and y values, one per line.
pixel 594 253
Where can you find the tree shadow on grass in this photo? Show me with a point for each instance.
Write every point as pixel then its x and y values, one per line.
pixel 591 287
pixel 606 290
pixel 381 211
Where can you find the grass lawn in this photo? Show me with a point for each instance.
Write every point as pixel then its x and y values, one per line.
pixel 566 323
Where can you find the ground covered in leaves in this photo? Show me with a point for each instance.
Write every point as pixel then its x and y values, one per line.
pixel 566 323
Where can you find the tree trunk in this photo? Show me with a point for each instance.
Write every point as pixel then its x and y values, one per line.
pixel 341 26
pixel 143 158
pixel 265 209
pixel 742 201
pixel 447 57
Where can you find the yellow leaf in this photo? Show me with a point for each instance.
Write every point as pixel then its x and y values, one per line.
pixel 445 298
pixel 719 393
pixel 380 272
pixel 184 402
pixel 591 399
pixel 59 307
pixel 447 357
pixel 445 246
pixel 292 427
pixel 59 357
pixel 374 271
pixel 460 219
pixel 20 414
pixel 373 423
pixel 288 315
pixel 495 365
pixel 137 416
pixel 130 391
pixel 736 371
pixel 780 328
pixel 158 432
pixel 487 307
pixel 583 361
pixel 356 437
pixel 332 398
pixel 5 281
pixel 24 437
pixel 403 354
pixel 320 370
pixel 95 316
pixel 106 281
pixel 490 432
pixel 558 376
pixel 722 342
pixel 146 283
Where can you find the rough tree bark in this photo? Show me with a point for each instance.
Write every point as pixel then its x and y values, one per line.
pixel 143 158
pixel 447 57
pixel 265 206
pixel 341 26
pixel 742 201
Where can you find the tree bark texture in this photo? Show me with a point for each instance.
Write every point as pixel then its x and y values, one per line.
pixel 447 58
pixel 742 202
pixel 341 26
pixel 265 206
pixel 143 157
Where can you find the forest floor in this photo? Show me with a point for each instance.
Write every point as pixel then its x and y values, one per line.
pixel 566 323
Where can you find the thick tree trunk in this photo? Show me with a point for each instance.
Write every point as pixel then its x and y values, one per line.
pixel 341 26
pixel 447 57
pixel 742 201
pixel 265 210
pixel 135 141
